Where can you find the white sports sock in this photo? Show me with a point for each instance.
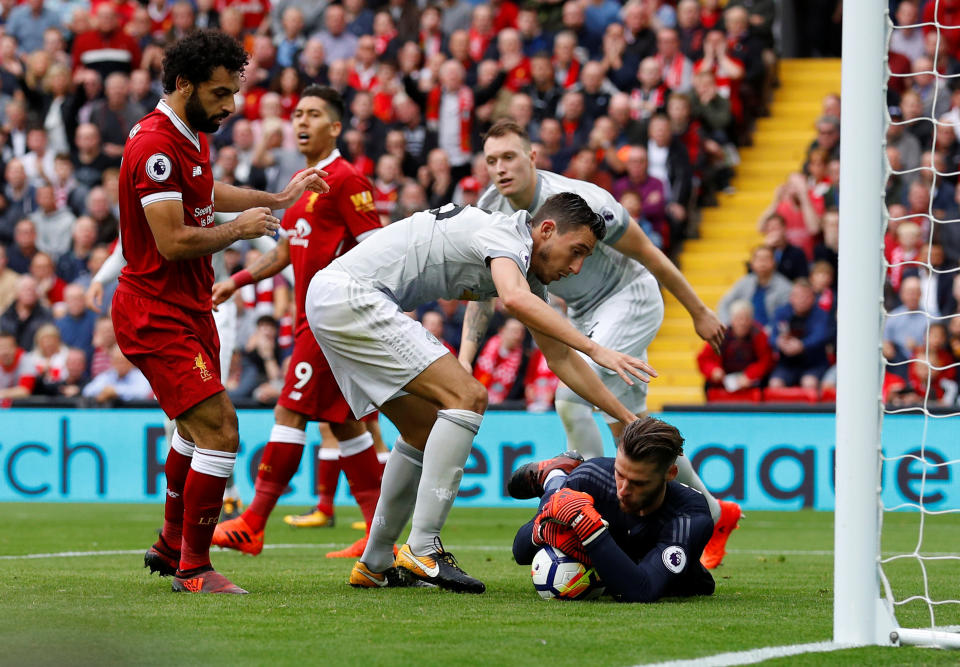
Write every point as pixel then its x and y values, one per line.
pixel 448 447
pixel 383 457
pixel 692 479
pixel 354 446
pixel 398 493
pixel 213 462
pixel 583 434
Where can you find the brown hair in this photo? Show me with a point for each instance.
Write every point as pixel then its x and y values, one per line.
pixel 650 440
pixel 506 126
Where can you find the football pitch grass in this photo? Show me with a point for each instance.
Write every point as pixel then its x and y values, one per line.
pixel 773 589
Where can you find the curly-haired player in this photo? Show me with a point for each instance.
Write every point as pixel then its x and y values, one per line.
pixel 162 305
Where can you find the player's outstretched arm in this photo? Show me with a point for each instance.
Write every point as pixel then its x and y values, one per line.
pixel 267 265
pixel 109 270
pixel 476 320
pixel 576 374
pixel 637 245
pixel 176 241
pixel 229 198
pixel 539 317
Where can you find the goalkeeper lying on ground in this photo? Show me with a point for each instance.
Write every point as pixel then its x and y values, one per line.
pixel 642 531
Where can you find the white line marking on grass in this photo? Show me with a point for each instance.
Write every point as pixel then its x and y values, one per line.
pixel 133 552
pixel 753 656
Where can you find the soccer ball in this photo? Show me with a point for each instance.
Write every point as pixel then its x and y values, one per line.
pixel 557 575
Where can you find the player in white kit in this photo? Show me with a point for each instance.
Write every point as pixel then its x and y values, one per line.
pixel 382 358
pixel 615 300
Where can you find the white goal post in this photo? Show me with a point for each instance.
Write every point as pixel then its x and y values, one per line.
pixel 862 615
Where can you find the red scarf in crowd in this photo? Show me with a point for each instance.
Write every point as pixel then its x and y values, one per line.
pixel 465 109
pixel 673 71
pixel 477 44
pixel 572 73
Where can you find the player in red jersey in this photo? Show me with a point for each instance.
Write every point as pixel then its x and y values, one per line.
pixel 162 305
pixel 316 230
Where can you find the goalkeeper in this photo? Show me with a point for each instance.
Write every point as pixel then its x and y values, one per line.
pixel 625 516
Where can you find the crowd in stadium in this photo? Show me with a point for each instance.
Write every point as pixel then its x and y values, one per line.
pixel 648 99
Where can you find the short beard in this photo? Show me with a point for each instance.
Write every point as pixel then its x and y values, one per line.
pixel 197 117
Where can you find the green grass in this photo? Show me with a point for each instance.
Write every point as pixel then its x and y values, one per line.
pixel 773 589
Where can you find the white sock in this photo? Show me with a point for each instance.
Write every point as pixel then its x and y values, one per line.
pixel 583 434
pixel 692 479
pixel 213 462
pixel 383 457
pixel 398 493
pixel 356 445
pixel 448 447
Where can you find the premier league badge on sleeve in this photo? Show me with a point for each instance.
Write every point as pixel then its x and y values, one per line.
pixel 674 558
pixel 159 167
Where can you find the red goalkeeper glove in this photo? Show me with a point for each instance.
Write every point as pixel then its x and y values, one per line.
pixel 559 537
pixel 575 510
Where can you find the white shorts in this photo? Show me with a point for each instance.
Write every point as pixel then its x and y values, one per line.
pixel 627 322
pixel 373 348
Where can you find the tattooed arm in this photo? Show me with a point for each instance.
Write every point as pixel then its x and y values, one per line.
pixel 475 323
pixel 269 264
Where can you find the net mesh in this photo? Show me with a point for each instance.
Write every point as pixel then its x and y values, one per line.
pixel 920 574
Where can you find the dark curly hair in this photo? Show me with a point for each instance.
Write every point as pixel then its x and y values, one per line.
pixel 330 96
pixel 199 53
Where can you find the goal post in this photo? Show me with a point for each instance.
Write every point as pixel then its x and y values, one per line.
pixel 858 615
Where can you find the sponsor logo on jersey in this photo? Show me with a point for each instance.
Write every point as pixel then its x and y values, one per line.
pixel 301 230
pixel 675 558
pixel 201 365
pixel 159 167
pixel 197 170
pixel 363 202
pixel 133 131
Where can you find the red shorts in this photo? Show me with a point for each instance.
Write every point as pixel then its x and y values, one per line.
pixel 177 350
pixel 310 388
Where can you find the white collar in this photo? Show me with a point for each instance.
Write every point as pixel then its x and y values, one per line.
pixel 327 160
pixel 178 123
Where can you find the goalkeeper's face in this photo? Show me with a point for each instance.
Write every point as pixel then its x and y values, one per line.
pixel 640 485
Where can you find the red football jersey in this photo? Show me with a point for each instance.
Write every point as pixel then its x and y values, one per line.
pixel 321 227
pixel 164 160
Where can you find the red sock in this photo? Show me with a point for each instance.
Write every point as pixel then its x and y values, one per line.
pixel 363 472
pixel 202 500
pixel 328 474
pixel 176 469
pixel 277 467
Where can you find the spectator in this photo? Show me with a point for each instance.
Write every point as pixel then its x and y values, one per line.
pixel 619 65
pixel 413 198
pixel 76 376
pixel 906 325
pixel 8 281
pixel 49 285
pixel 359 18
pixel 584 167
pixel 25 315
pixel 566 64
pixel 311 12
pixel 362 119
pixel 338 42
pixel 107 48
pixel 386 186
pixel 791 261
pixel 77 324
pixel 67 191
pixel 182 21
pixel 115 115
pixel 21 199
pixel 828 136
pixel 456 15
pixel 16 372
pixel 906 249
pixel 15 126
pixel 793 203
pixel 98 209
pixel 437 178
pixel 89 159
pixel 676 70
pixel 540 384
pixel 38 161
pixel 727 73
pixel 28 22
pixel 596 90
pixel 648 188
pixel 827 249
pixel 499 363
pixel 104 340
pixel 142 91
pixel 260 377
pixel 574 121
pixel 535 39
pixel 689 29
pixel 49 360
pixel 122 381
pixel 711 108
pixel 396 145
pixel 313 69
pixel 641 39
pixel 54 224
pixel 543 89
pixel 745 357
pixel 763 287
pixel 432 321
pixel 467 192
pixel 21 253
pixel 669 163
pixel 802 333
pixel 553 150
pixel 822 277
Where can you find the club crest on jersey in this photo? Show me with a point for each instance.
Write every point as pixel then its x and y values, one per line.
pixel 159 167
pixel 201 365
pixel 675 558
pixel 301 230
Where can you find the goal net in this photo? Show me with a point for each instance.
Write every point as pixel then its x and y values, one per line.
pixel 897 535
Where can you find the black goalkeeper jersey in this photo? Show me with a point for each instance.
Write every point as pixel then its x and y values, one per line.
pixel 640 559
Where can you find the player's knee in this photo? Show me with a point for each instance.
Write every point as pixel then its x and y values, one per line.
pixel 472 396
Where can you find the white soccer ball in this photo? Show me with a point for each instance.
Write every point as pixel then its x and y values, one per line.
pixel 558 576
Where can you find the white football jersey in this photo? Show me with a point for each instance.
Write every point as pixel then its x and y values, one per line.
pixel 606 271
pixel 443 253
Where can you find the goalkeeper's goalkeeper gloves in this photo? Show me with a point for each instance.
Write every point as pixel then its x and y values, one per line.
pixel 546 531
pixel 575 510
